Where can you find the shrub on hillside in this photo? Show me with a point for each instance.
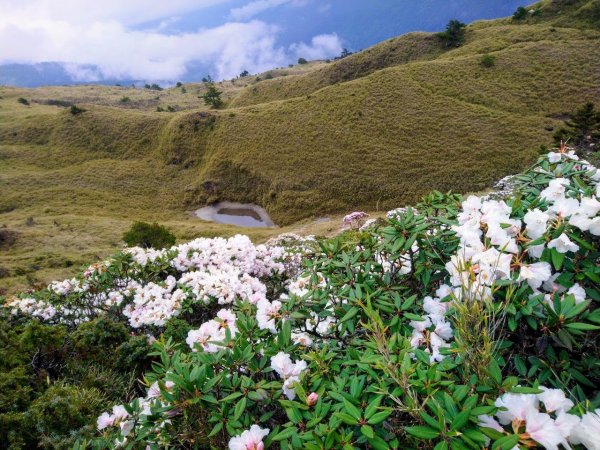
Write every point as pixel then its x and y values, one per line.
pixel 302 61
pixel 153 87
pixel 23 101
pixel 146 235
pixel 454 34
pixel 75 110
pixel 582 130
pixel 7 238
pixel 98 336
pixel 54 379
pixel 520 13
pixel 488 60
pixel 212 97
pixel 63 408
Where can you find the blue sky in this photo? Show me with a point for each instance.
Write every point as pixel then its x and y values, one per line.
pixel 180 39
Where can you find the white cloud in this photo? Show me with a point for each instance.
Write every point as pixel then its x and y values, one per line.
pixel 258 6
pixel 321 47
pixel 96 40
pixel 126 12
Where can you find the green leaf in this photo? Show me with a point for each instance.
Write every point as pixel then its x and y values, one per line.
pixel 239 408
pixel 525 390
pixel 367 431
pixel 231 397
pixel 557 259
pixel 286 433
pixel 460 392
pixel 494 371
pixel 346 418
pixel 379 417
pixel 594 316
pixel 414 317
pixel 352 410
pixel 372 408
pixel 441 446
pixel 582 326
pixel 430 420
pixel 218 427
pixel 422 432
pixel 520 365
pixel 460 420
pixel 506 442
pixel 350 314
pixel 378 444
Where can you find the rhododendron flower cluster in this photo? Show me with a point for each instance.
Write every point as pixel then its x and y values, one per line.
pixel 433 330
pixel 32 307
pixel 355 220
pixel 212 333
pixel 288 371
pixel 126 423
pixel 209 271
pixel 544 419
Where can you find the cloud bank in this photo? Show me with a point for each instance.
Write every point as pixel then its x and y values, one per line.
pixel 102 40
pixel 256 7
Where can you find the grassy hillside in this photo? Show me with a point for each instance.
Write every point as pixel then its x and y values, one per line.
pixel 400 50
pixel 372 131
pixel 440 120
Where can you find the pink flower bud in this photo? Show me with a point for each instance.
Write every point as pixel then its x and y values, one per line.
pixel 312 399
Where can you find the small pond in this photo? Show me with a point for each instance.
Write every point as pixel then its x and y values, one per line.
pixel 240 214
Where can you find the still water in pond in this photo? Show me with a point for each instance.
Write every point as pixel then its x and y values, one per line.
pixel 240 214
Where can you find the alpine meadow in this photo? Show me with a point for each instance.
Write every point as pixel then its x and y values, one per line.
pixel 180 266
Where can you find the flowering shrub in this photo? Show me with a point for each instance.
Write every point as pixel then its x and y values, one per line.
pixel 453 324
pixel 355 220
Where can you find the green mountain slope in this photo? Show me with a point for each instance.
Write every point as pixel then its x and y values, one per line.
pixel 384 139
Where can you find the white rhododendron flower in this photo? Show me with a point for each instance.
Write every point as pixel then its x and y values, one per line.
pixel 105 420
pixel 589 206
pixel 212 333
pixel 563 244
pixel 251 439
pixel 555 190
pixel 578 292
pixel 289 371
pixel 517 407
pixel 580 221
pixel 541 428
pixel 536 221
pixel 433 330
pixel 303 339
pixel 554 400
pixel 267 314
pixel 565 207
pixel 587 431
pixel 594 226
pixel 535 274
